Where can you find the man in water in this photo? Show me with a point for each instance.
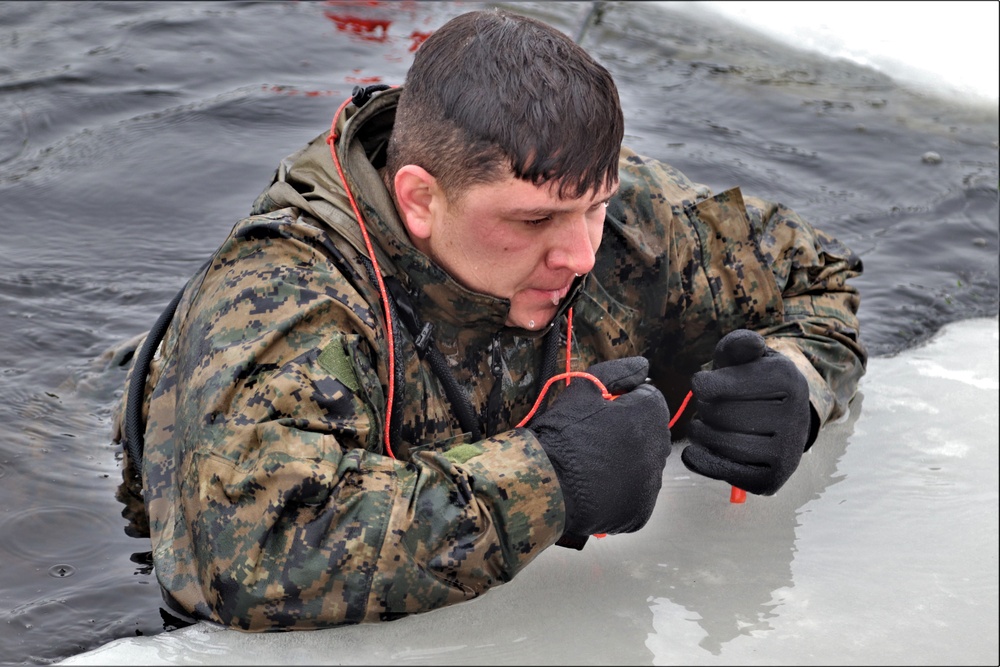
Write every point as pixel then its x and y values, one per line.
pixel 352 415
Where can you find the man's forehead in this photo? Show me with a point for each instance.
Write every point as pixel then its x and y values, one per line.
pixel 517 197
pixel 600 192
pixel 553 191
pixel 588 198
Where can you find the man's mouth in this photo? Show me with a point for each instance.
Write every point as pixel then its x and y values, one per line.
pixel 553 295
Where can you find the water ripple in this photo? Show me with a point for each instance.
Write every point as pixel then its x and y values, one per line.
pixel 56 533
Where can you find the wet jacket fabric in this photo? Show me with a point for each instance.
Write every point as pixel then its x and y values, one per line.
pixel 271 501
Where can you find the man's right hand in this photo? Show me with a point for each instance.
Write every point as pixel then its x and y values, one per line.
pixel 608 455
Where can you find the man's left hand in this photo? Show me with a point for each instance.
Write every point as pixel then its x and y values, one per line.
pixel 753 418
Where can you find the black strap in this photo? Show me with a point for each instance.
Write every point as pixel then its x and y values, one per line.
pixel 460 403
pixel 361 94
pixel 401 309
pixel 422 333
pixel 553 342
pixel 134 427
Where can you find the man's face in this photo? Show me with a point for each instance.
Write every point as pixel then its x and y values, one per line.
pixel 518 241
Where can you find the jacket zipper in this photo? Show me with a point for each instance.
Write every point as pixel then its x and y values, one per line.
pixel 495 399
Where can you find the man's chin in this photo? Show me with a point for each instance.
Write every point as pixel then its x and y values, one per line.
pixel 533 321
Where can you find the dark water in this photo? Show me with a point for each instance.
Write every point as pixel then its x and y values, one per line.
pixel 133 135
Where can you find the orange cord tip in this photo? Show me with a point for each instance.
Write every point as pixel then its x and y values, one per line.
pixel 737 495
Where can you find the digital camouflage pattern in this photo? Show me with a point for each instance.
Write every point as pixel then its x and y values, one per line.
pixel 270 501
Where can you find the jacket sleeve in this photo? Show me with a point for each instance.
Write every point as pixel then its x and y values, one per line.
pixel 731 263
pixel 270 503
pixel 762 267
pixel 819 329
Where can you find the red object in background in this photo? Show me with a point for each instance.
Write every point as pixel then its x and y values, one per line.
pixel 370 30
pixel 289 90
pixel 347 15
pixel 737 495
pixel 363 79
pixel 418 39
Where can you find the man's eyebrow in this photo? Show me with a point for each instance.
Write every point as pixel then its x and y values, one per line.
pixel 545 211
pixel 532 212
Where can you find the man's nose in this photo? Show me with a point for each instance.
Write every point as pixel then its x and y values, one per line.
pixel 575 245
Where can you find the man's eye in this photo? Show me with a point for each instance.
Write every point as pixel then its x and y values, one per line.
pixel 538 221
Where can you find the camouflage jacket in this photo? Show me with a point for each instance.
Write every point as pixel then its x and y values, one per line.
pixel 270 500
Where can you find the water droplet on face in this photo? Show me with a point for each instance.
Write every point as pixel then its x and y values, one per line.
pixel 555 300
pixel 531 324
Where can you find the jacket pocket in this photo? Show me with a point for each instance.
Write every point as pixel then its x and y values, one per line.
pixel 744 290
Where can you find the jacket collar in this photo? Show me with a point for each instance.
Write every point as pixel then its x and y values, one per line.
pixel 363 135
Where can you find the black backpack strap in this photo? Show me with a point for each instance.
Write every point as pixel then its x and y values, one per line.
pixel 134 427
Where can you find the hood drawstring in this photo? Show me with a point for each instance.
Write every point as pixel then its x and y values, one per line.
pixel 134 427
pixel 423 335
pixel 390 339
pixel 359 97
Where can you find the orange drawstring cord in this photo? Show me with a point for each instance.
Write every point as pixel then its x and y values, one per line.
pixel 560 376
pixel 331 140
pixel 600 385
pixel 569 342
pixel 736 496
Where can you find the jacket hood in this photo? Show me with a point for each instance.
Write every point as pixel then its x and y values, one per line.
pixel 308 180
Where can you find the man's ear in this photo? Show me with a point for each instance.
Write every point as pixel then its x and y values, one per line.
pixel 416 192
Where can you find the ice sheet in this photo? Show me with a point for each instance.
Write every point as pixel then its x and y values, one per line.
pixel 882 549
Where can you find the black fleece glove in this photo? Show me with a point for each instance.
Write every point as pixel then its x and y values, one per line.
pixel 608 455
pixel 753 417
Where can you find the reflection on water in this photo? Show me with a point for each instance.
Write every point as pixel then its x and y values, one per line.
pixel 892 562
pixel 134 135
pixel 748 578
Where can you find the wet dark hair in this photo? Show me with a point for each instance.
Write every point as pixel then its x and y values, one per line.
pixel 492 92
